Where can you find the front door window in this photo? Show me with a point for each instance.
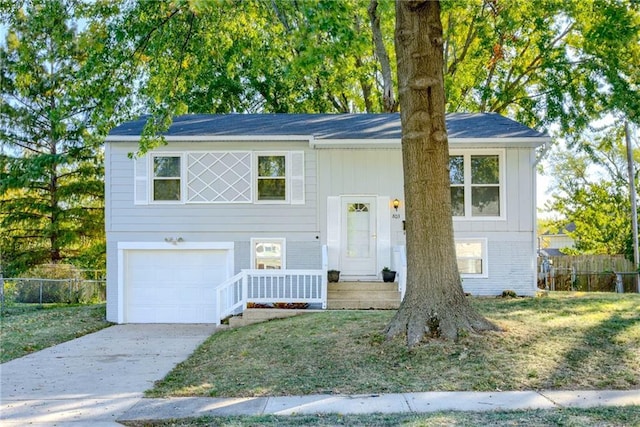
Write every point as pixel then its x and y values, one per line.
pixel 358 230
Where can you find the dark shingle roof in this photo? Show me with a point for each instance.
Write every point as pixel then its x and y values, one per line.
pixel 330 126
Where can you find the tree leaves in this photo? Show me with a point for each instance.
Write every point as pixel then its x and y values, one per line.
pixel 51 172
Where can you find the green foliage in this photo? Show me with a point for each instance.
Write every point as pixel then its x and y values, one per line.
pixel 591 190
pixel 52 121
pixel 541 62
pixel 54 283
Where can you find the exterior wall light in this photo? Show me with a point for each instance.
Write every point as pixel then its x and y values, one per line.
pixel 396 204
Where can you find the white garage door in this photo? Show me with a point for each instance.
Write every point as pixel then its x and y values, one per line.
pixel 172 286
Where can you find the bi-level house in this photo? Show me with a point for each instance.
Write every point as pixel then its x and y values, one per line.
pixel 257 207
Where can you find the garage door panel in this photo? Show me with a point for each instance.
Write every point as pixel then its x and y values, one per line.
pixel 173 286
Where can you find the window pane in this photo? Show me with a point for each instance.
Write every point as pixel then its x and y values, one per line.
pixel 272 189
pixel 271 166
pixel 469 249
pixel 469 257
pixel 456 169
pixel 457 201
pixel 485 170
pixel 166 167
pixel 485 201
pixel 166 189
pixel 470 266
pixel 268 256
pixel 358 230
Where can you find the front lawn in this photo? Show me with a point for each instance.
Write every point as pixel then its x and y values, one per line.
pixel 563 341
pixel 26 328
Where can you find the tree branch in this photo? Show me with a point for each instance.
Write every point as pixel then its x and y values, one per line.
pixel 390 104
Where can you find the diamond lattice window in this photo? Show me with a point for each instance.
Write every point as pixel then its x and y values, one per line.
pixel 219 177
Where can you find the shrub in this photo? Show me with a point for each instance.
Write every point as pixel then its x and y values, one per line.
pixel 53 283
pixel 508 293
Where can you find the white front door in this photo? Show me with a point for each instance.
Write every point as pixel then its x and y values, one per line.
pixel 358 236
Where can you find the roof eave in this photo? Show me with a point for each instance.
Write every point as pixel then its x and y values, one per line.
pixel 213 138
pixel 340 143
pixel 531 142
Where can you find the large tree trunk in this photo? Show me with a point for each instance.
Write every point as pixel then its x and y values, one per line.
pixel 434 303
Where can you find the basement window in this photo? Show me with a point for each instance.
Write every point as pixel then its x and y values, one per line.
pixel 268 254
pixel 472 257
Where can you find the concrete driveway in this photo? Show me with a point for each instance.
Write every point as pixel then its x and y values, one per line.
pixel 94 379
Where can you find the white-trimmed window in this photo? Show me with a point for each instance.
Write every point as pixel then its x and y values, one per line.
pixel 219 177
pixel 472 257
pixel 268 254
pixel 271 177
pixel 477 184
pixel 279 177
pixel 166 183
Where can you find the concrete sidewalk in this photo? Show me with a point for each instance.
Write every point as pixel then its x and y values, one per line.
pixel 156 409
pixel 95 379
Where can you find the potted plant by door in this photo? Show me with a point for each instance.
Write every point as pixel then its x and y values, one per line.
pixel 333 276
pixel 388 275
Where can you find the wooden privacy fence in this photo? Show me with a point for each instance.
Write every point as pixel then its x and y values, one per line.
pixel 589 273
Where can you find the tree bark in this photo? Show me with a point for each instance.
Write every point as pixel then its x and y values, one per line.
pixel 434 302
pixel 389 103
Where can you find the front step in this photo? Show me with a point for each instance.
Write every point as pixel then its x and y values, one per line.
pixel 363 296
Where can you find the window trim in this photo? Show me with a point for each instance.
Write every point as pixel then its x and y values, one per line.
pixel 295 177
pixel 152 177
pixel 287 177
pixel 484 257
pixel 283 244
pixel 468 186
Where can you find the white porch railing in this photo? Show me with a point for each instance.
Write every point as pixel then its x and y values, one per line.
pixel 230 298
pixel 399 264
pixel 271 286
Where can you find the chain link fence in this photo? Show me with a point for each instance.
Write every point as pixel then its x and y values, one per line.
pixel 25 291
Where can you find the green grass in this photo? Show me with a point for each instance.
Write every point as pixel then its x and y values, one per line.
pixel 564 341
pixel 25 328
pixel 622 416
